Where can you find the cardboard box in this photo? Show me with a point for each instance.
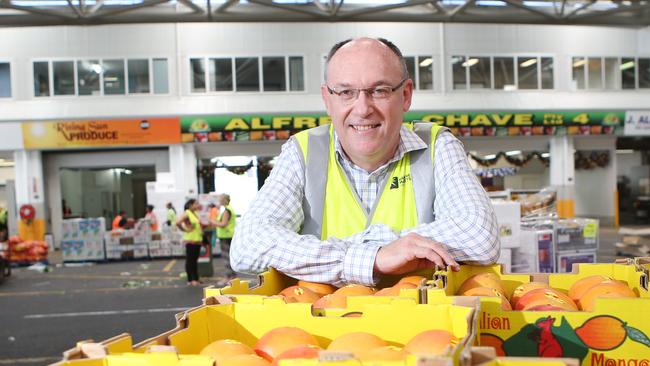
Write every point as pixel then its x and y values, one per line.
pixel 486 356
pixel 396 323
pixel 615 333
pixel 566 261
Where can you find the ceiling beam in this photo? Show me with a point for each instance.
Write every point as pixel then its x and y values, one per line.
pixel 197 9
pixel 93 9
pixel 521 6
pixel 33 10
pixel 75 9
pixel 381 8
pixel 582 8
pixel 460 8
pixel 617 10
pixel 124 9
pixel 223 7
pixel 439 7
pixel 292 8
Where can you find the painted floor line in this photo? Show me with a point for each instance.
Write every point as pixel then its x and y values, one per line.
pixel 103 313
pixel 169 265
pixel 17 361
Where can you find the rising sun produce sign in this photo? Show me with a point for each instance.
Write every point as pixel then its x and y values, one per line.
pixel 252 127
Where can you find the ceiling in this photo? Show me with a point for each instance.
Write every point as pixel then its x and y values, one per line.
pixel 634 13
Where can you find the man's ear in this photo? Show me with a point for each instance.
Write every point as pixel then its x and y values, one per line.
pixel 407 94
pixel 325 94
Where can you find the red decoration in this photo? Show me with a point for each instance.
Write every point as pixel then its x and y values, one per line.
pixel 27 212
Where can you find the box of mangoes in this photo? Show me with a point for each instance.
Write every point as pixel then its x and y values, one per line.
pixel 269 331
pixel 598 314
pixel 327 300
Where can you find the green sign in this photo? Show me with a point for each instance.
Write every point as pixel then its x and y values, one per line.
pixel 252 127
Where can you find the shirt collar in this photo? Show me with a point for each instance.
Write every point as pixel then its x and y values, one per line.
pixel 408 141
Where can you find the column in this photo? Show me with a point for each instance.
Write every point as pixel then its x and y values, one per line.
pixel 183 165
pixel 563 174
pixel 29 191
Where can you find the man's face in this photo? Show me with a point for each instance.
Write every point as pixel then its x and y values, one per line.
pixel 368 128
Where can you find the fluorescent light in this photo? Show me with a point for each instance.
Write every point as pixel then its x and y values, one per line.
pixel 513 152
pixel 426 62
pixel 7 163
pixel 471 62
pixel 110 78
pixel 546 155
pixel 625 151
pixel 529 62
pixel 491 156
pixel 627 65
pixel 579 63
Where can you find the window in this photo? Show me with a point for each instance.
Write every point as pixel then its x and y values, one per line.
pixel 628 73
pixel 63 77
pixel 296 74
pixel 579 72
pixel 5 80
pixel 644 73
pixel 410 66
pixel 504 73
pixel 458 68
pixel 527 72
pixel 41 79
pixel 547 72
pixel 160 76
pixel 273 74
pixel 197 66
pixel 247 74
pixel 114 82
pixel 595 73
pixel 88 74
pixel 480 72
pixel 425 72
pixel 138 70
pixel 220 74
pixel 612 80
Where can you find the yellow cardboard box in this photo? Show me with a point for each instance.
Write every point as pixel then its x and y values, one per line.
pixel 486 356
pixel 615 333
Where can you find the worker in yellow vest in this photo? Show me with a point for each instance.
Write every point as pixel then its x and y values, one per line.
pixel 367 195
pixel 225 229
pixel 189 223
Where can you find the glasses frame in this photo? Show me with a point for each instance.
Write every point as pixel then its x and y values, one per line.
pixel 368 91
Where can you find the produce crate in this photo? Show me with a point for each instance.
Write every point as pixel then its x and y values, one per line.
pixel 486 356
pixel 219 318
pixel 615 333
pixel 271 282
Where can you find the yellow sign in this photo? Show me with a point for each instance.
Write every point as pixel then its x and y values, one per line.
pixel 95 133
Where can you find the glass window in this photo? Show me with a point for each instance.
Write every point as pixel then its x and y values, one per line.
pixel 198 75
pixel 113 77
pixel 88 73
pixel 296 74
pixel 160 76
pixel 5 80
pixel 459 78
pixel 579 72
pixel 480 72
pixel 628 73
pixel 63 77
pixel 41 79
pixel 138 76
pixel 248 74
pixel 425 75
pixel 611 74
pixel 547 72
pixel 220 74
pixel 410 67
pixel 273 74
pixel 595 73
pixel 644 73
pixel 504 73
pixel 527 72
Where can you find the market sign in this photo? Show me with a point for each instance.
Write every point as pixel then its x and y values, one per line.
pixel 101 133
pixel 637 123
pixel 280 126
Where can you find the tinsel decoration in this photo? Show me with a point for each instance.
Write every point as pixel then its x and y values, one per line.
pixel 513 160
pixel 587 160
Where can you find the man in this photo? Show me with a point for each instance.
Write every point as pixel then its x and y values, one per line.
pixel 119 221
pixel 331 210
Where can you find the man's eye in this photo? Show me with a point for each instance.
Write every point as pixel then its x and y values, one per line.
pixel 380 92
pixel 347 93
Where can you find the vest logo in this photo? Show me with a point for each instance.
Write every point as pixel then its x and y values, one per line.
pixel 396 181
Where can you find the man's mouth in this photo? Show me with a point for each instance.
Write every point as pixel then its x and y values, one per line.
pixel 364 127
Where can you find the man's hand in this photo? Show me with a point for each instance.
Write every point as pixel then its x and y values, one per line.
pixel 410 253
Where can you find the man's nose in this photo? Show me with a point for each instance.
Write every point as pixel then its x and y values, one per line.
pixel 364 104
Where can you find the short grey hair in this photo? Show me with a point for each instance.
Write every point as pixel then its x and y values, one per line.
pixel 389 44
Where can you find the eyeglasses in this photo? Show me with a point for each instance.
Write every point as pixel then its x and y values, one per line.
pixel 376 93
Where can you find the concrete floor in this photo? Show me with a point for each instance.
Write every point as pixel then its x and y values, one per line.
pixel 43 314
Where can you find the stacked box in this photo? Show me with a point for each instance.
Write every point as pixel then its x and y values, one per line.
pixel 616 332
pixel 83 239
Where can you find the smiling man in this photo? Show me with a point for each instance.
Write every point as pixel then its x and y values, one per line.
pixel 367 195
